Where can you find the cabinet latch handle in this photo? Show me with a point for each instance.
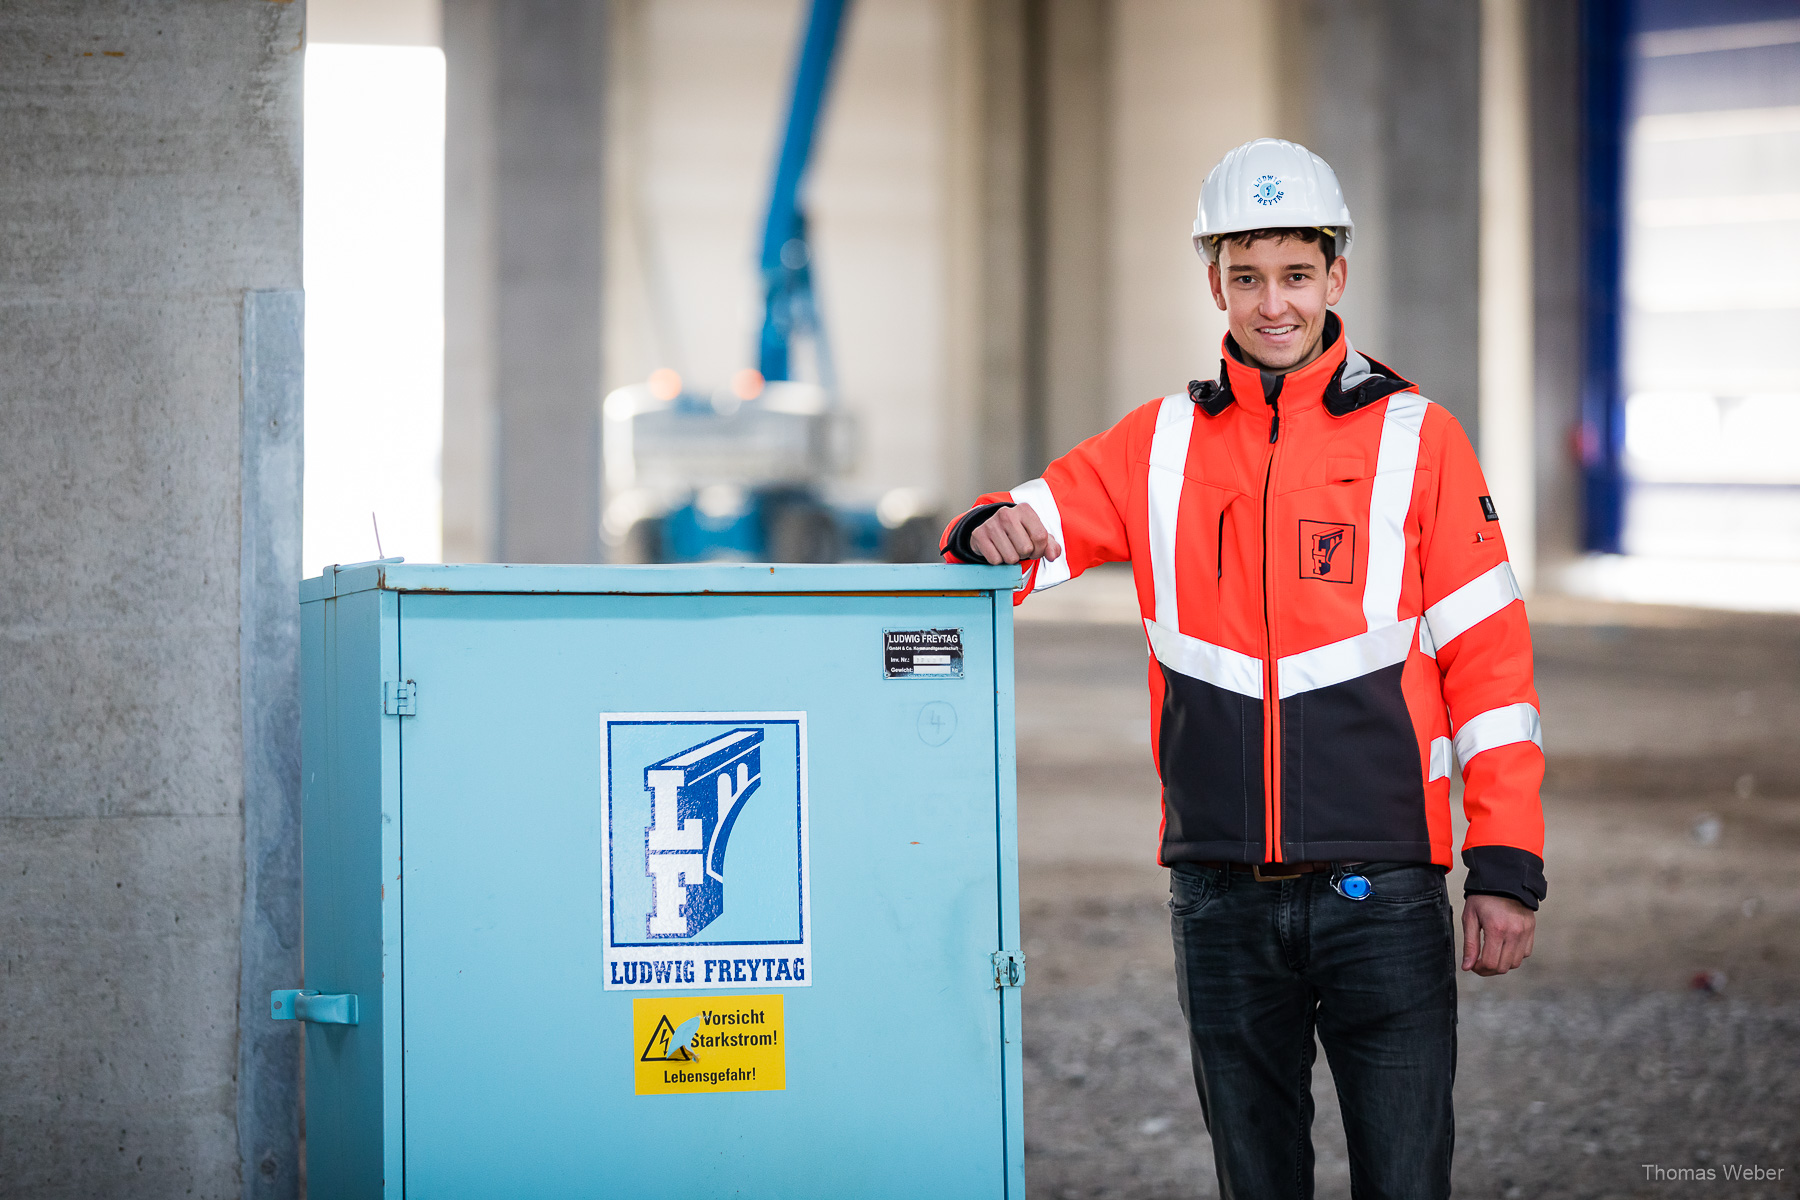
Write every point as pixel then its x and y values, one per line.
pixel 291 1004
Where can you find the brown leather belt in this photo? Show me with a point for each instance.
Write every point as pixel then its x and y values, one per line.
pixel 1266 872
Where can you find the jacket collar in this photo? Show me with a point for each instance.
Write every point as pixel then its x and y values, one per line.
pixel 1341 379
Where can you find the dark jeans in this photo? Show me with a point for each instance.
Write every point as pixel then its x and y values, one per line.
pixel 1260 966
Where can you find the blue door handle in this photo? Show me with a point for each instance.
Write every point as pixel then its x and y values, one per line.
pixel 298 1005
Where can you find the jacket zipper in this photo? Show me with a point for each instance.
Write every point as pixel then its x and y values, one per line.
pixel 1271 699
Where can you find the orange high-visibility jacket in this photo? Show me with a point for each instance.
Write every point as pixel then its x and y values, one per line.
pixel 1330 612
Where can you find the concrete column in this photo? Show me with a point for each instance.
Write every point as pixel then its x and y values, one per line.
pixel 1335 106
pixel 641 317
pixel 1506 362
pixel 986 341
pixel 149 473
pixel 268 1075
pixel 1180 97
pixel 1029 84
pixel 1432 109
pixel 1554 50
pixel 1074 77
pixel 470 381
pixel 526 81
pixel 1391 99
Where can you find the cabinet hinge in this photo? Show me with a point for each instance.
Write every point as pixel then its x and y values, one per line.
pixel 1009 968
pixel 400 699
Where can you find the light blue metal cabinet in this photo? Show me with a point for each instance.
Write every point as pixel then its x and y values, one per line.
pixel 660 881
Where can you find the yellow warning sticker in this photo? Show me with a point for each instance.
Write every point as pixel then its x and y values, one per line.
pixel 709 1044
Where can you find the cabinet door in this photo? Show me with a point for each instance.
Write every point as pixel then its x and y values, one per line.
pixel 520 1064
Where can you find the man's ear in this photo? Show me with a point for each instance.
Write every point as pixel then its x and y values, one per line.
pixel 1218 291
pixel 1335 280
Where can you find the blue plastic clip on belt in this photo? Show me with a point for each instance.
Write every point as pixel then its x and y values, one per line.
pixel 1351 886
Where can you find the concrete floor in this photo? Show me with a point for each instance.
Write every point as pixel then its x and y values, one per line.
pixel 1673 805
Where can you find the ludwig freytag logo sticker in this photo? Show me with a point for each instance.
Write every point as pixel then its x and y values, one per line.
pixel 704 820
pixel 1267 190
pixel 1328 551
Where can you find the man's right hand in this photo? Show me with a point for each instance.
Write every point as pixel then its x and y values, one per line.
pixel 1013 535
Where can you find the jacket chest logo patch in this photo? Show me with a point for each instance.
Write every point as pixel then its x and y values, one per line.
pixel 1328 551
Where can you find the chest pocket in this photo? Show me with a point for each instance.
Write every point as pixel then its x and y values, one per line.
pixel 1345 468
pixel 1334 468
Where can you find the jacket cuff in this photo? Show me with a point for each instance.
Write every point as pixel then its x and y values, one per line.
pixel 1505 871
pixel 956 541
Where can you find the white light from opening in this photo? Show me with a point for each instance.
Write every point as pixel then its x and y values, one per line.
pixel 374 244
pixel 1695 437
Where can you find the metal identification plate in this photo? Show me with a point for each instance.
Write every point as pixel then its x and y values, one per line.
pixel 922 653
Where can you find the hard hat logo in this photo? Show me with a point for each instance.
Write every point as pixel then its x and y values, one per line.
pixel 1269 183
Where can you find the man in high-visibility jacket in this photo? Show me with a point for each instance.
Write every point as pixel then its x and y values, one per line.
pixel 1333 623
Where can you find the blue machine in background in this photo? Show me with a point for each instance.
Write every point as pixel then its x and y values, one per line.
pixel 744 473
pixel 788 307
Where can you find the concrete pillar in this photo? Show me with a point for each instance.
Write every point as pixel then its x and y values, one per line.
pixel 1074 293
pixel 1554 51
pixel 1432 110
pixel 1030 102
pixel 1505 350
pixel 1334 105
pixel 149 472
pixel 641 317
pixel 375 22
pixel 1391 99
pixel 1180 98
pixel 471 403
pixel 986 245
pixel 1072 77
pixel 522 279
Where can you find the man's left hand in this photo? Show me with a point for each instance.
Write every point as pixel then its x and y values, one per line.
pixel 1497 933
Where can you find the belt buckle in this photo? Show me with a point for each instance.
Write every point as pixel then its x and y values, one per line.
pixel 1256 873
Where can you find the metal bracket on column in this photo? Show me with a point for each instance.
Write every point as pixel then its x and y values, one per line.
pixel 298 1005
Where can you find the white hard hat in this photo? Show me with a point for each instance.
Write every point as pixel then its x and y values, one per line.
pixel 1270 184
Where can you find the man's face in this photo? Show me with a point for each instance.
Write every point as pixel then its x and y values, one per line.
pixel 1275 293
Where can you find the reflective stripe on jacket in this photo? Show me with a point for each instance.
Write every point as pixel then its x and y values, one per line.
pixel 1330 612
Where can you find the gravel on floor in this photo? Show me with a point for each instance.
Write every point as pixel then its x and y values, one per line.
pixel 1570 1095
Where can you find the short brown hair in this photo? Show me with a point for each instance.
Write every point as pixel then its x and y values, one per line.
pixel 1300 233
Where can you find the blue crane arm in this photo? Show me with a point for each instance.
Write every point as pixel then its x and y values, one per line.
pixel 787 279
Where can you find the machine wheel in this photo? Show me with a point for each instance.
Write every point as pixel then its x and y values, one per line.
pixel 804 533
